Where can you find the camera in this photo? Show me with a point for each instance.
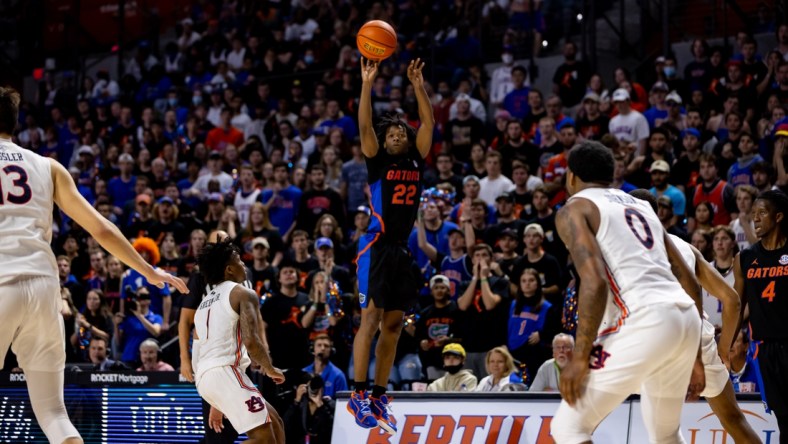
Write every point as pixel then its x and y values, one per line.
pixel 132 298
pixel 315 384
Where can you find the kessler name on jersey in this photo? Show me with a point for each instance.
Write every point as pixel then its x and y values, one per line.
pixel 11 157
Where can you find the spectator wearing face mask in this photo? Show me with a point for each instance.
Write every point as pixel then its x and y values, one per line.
pixel 501 80
pixel 456 378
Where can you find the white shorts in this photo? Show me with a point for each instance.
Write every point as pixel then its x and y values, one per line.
pixel 652 354
pixel 716 373
pixel 31 323
pixel 655 349
pixel 232 392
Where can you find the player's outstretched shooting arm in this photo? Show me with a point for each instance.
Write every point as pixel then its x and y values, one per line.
pixel 574 227
pixel 105 232
pixel 247 303
pixel 369 140
pixel 424 135
pixel 711 280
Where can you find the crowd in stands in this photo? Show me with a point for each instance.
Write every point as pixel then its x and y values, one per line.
pixel 246 123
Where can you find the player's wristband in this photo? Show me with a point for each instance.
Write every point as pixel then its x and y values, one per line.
pixel 484 280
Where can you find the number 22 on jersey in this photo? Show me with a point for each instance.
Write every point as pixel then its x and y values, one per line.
pixel 403 194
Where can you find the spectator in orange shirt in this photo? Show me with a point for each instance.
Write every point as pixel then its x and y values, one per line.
pixel 224 134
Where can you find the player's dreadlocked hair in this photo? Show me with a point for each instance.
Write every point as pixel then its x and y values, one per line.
pixel 779 202
pixel 393 119
pixel 213 259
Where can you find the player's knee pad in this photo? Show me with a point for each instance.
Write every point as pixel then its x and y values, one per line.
pixel 46 398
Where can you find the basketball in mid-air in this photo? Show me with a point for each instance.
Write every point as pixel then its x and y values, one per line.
pixel 376 40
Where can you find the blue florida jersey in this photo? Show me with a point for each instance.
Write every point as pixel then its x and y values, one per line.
pixel 395 187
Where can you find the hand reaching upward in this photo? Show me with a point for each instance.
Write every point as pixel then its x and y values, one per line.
pixel 369 70
pixel 414 72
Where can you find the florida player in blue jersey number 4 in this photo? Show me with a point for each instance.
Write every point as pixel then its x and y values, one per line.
pixel 387 273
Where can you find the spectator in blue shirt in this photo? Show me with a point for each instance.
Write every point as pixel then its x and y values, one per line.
pixel 121 188
pixel 84 190
pixel 744 368
pixel 660 173
pixel 336 119
pixel 334 379
pixel 532 322
pixel 659 112
pixel 132 281
pixel 516 102
pixel 136 325
pixel 740 173
pixel 282 200
pixel 437 232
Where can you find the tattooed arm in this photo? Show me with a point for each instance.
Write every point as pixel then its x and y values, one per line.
pixel 245 301
pixel 574 224
pixel 580 240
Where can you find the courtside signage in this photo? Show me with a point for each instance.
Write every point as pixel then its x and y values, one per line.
pixel 470 421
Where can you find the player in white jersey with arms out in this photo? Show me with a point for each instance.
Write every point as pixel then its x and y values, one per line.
pixel 719 389
pixel 228 323
pixel 638 330
pixel 30 320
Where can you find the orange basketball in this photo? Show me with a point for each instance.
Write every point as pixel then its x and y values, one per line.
pixel 376 40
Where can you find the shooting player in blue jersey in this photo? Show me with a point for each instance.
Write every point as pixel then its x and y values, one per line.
pixel 388 276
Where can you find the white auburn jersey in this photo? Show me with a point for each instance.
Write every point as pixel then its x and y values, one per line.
pixel 741 237
pixel 243 205
pixel 630 237
pixel 26 204
pixel 713 306
pixel 218 327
